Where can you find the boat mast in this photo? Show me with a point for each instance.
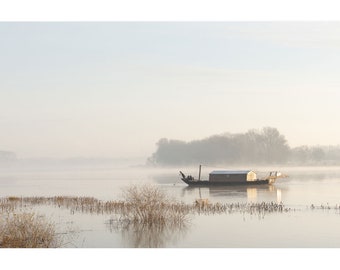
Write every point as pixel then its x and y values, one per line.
pixel 199 173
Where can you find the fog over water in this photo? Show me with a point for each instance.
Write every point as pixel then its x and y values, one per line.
pixel 84 106
pixel 88 109
pixel 113 89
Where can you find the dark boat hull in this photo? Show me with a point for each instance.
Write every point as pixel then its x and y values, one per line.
pixel 205 183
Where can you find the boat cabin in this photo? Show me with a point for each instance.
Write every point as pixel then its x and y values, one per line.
pixel 232 176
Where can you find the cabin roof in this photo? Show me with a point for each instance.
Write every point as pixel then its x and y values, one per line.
pixel 231 172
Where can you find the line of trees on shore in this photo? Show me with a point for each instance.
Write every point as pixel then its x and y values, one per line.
pixel 265 146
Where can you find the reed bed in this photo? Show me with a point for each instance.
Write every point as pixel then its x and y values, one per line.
pixel 152 207
pixel 325 207
pixel 27 230
pixel 252 208
pixel 143 208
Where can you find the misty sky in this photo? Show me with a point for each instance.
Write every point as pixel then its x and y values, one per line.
pixel 114 89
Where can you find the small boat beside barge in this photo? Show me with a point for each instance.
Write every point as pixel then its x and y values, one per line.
pixel 231 177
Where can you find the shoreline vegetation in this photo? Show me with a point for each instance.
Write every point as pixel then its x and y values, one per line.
pixel 27 230
pixel 145 209
pixel 135 212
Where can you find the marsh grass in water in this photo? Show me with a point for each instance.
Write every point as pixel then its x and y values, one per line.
pixel 150 205
pixel 146 216
pixel 27 230
pixel 145 204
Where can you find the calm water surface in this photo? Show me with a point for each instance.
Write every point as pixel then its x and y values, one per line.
pixel 300 227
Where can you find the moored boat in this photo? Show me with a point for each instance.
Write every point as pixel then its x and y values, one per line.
pixel 231 177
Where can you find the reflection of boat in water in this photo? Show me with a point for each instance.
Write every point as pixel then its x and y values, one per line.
pixel 232 188
pixel 252 193
pixel 231 177
pixel 225 191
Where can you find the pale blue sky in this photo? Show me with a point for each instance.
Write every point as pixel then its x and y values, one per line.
pixel 114 89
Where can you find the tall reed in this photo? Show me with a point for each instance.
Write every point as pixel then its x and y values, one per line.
pixel 27 230
pixel 150 205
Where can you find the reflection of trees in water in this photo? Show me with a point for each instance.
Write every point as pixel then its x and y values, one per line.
pixel 139 235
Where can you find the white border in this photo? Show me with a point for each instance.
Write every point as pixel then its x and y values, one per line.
pixel 168 10
pixel 170 259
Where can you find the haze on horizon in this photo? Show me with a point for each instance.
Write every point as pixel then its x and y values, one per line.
pixel 113 89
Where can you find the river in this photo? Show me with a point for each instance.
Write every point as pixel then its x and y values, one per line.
pixel 312 195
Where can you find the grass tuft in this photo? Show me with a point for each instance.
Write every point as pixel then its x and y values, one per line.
pixel 27 230
pixel 149 205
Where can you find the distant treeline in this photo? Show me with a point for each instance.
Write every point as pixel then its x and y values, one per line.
pixel 266 146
